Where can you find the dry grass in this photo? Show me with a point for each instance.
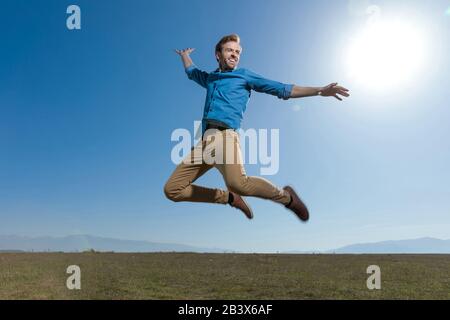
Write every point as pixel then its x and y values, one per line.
pixel 222 276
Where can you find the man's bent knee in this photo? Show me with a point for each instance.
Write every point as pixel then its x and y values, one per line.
pixel 171 192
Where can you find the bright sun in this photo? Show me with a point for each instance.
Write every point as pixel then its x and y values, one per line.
pixel 386 54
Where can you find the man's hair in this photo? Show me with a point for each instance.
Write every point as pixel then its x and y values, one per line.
pixel 231 37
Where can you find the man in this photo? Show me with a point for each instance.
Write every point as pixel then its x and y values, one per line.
pixel 228 91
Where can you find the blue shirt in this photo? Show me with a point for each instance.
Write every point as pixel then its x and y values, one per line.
pixel 228 93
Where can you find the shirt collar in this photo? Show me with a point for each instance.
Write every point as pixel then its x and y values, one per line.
pixel 218 70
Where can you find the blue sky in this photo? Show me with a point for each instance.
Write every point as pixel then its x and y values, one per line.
pixel 86 118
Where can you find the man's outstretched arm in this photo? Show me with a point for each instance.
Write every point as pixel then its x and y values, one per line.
pixel 185 56
pixel 331 90
pixel 192 71
pixel 287 91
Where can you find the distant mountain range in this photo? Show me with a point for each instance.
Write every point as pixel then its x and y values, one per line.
pixel 421 245
pixel 78 243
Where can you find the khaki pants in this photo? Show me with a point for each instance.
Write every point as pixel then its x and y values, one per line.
pixel 222 150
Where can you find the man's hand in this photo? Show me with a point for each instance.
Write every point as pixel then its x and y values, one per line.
pixel 333 90
pixel 184 54
pixel 186 51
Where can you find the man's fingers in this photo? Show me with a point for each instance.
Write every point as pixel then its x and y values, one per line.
pixel 187 50
pixel 342 88
pixel 334 90
pixel 343 93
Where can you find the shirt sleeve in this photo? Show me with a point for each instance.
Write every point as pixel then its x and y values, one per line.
pixel 197 75
pixel 275 88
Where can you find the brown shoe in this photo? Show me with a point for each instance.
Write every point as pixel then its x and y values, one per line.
pixel 241 204
pixel 297 205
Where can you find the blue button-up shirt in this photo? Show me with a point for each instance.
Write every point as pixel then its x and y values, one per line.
pixel 228 93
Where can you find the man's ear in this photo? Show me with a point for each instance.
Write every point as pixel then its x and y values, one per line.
pixel 218 56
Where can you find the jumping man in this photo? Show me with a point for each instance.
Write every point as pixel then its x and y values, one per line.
pixel 228 91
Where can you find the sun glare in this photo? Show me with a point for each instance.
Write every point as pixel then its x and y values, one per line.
pixel 386 54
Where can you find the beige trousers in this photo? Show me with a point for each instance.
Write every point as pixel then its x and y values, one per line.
pixel 222 150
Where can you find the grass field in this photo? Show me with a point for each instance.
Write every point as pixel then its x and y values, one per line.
pixel 222 276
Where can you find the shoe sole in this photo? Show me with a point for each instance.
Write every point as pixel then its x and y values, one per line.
pixel 249 208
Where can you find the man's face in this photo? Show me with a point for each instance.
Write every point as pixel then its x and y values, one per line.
pixel 229 56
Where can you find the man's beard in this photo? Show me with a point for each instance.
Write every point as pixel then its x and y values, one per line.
pixel 225 66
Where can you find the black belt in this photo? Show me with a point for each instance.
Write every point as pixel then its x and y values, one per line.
pixel 215 126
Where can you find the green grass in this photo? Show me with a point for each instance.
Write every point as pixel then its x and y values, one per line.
pixel 222 276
